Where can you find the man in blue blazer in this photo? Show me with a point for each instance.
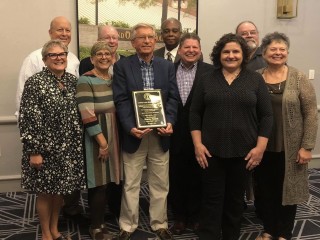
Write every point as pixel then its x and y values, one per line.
pixel 143 71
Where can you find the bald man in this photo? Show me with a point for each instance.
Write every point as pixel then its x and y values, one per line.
pixel 111 36
pixel 60 28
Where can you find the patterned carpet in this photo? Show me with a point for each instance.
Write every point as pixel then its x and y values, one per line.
pixel 18 218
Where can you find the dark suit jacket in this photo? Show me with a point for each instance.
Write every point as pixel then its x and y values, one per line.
pixel 160 53
pixel 86 65
pixel 181 140
pixel 128 78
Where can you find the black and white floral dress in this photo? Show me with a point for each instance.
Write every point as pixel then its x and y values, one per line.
pixel 50 125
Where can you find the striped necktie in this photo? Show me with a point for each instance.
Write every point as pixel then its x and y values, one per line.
pixel 169 56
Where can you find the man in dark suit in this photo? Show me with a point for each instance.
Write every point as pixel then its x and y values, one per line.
pixel 171 30
pixel 185 173
pixel 143 71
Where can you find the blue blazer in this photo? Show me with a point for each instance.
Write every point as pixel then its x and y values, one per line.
pixel 127 78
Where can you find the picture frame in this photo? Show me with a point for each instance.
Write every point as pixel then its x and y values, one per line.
pixel 287 9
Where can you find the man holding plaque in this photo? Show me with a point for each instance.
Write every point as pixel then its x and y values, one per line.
pixel 145 143
pixel 185 173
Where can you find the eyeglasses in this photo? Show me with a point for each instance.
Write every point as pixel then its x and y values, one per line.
pixel 101 55
pixel 54 56
pixel 150 37
pixel 109 38
pixel 251 33
pixel 61 30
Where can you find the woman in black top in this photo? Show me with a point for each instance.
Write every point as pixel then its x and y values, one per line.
pixel 230 122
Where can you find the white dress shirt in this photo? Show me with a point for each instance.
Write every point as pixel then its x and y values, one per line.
pixel 173 52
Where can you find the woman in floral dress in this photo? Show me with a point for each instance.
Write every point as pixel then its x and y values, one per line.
pixel 51 134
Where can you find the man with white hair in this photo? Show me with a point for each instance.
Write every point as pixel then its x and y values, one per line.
pixel 110 35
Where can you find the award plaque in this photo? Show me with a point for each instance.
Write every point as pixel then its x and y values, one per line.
pixel 149 109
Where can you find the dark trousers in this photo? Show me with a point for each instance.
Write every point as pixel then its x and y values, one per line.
pixel 222 206
pixel 97 199
pixel 278 220
pixel 185 187
pixel 71 204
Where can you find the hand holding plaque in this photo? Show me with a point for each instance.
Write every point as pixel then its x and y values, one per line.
pixel 149 110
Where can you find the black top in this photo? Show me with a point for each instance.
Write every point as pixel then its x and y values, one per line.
pixel 276 140
pixel 231 117
pixel 257 61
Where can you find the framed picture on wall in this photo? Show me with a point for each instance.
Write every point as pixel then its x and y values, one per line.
pixel 124 14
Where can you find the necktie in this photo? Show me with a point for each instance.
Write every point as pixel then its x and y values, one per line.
pixel 169 56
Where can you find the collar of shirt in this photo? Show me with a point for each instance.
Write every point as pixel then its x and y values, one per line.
pixel 117 56
pixel 144 63
pixel 188 68
pixel 173 52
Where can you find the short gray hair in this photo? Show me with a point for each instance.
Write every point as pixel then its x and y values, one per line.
pixel 164 23
pixel 274 37
pixel 99 45
pixel 247 21
pixel 50 44
pixel 141 25
pixel 103 28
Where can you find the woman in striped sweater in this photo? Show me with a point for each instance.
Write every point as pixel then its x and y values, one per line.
pixel 95 100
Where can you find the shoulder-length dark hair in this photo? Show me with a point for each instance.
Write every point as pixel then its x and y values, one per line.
pixel 220 44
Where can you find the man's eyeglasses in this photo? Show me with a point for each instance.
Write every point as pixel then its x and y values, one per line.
pixel 251 33
pixel 101 55
pixel 54 56
pixel 109 38
pixel 150 37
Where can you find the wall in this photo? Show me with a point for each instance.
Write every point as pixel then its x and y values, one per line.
pixel 25 27
pixel 219 17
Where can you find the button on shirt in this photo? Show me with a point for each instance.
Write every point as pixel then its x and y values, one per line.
pixel 185 78
pixel 147 74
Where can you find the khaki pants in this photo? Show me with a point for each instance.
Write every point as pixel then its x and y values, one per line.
pixel 150 153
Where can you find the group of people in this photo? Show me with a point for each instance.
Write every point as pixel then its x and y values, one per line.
pixel 223 122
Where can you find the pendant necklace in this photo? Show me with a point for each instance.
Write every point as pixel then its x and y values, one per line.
pixel 274 88
pixel 231 77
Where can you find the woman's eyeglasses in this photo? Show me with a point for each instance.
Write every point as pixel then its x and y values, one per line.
pixel 54 56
